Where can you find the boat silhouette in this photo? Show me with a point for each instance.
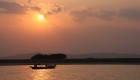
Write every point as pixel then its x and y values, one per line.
pixel 43 66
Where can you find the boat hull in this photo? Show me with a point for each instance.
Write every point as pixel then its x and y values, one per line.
pixel 49 66
pixel 42 67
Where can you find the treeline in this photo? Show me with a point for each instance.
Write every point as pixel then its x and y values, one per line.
pixel 51 56
pixel 72 61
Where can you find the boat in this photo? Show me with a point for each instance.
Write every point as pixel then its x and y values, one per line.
pixel 46 66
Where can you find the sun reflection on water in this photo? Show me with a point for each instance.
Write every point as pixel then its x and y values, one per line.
pixel 40 74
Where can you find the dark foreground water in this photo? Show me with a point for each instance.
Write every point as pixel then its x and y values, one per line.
pixel 72 72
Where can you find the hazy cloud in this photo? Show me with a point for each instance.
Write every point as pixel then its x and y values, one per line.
pixel 12 8
pixel 106 15
pixel 129 14
pixel 29 0
pixel 15 8
pixel 57 8
pixel 79 15
pixel 36 8
pixel 54 9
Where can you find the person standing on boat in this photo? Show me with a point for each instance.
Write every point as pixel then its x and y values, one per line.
pixel 35 65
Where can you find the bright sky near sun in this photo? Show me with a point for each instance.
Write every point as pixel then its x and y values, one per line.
pixel 69 26
pixel 41 16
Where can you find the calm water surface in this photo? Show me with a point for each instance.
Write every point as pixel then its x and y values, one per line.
pixel 72 72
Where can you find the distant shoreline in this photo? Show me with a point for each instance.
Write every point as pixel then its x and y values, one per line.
pixel 89 61
pixel 74 64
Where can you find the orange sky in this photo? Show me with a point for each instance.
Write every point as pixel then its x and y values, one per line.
pixel 70 27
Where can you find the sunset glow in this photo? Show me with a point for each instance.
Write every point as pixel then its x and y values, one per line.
pixel 69 26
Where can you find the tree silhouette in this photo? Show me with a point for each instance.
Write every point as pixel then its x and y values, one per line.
pixel 52 56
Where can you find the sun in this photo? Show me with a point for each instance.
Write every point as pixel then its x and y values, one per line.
pixel 41 16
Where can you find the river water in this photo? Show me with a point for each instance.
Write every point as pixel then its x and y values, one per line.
pixel 72 72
